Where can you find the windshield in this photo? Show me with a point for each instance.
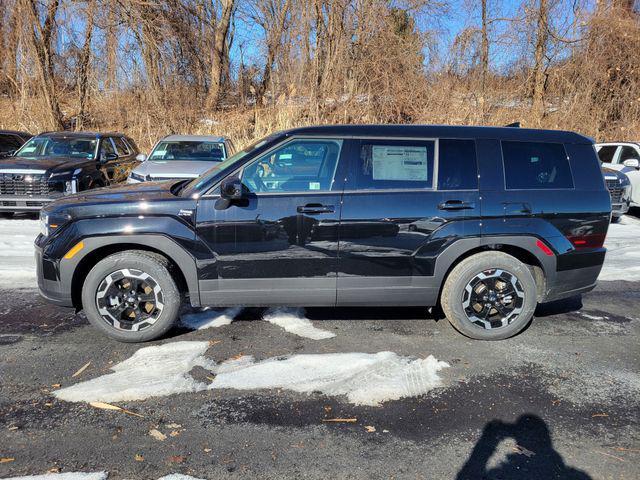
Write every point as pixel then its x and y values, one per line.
pixel 58 147
pixel 191 150
pixel 198 183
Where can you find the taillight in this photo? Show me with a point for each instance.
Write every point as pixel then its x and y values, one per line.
pixel 592 240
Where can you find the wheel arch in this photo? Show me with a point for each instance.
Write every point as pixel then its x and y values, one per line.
pixel 183 265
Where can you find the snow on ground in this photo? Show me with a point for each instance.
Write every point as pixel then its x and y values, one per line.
pixel 17 263
pixel 291 320
pixel 150 372
pixel 623 251
pixel 65 476
pixel 364 378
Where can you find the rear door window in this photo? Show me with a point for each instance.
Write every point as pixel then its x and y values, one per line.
pixel 607 153
pixel 121 146
pixel 536 166
pixel 395 165
pixel 457 165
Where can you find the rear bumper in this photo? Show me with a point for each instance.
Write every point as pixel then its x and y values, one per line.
pixel 16 203
pixel 50 286
pixel 573 282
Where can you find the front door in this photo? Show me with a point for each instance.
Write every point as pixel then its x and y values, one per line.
pixel 279 245
pixel 405 201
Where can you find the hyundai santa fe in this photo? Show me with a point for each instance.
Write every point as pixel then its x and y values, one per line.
pixel 486 222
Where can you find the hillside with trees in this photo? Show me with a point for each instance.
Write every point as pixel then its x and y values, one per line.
pixel 247 67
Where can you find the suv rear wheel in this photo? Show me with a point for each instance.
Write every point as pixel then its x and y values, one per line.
pixel 489 296
pixel 131 296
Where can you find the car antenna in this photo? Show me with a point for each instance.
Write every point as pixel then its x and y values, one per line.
pixel 514 125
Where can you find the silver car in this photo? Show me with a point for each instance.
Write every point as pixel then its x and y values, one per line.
pixel 181 156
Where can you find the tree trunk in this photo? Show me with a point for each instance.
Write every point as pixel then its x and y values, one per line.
pixel 539 68
pixel 83 65
pixel 217 62
pixel 274 41
pixel 41 36
pixel 111 47
pixel 484 61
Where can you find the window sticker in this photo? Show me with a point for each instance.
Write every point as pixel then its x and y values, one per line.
pixel 400 163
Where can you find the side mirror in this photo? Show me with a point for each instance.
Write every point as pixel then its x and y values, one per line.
pixel 141 157
pixel 233 189
pixel 632 162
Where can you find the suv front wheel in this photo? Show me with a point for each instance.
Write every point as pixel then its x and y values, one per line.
pixel 131 296
pixel 489 296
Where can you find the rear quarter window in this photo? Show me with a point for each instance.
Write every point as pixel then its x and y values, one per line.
pixel 536 166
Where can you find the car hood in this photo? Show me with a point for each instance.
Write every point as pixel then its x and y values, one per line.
pixel 42 164
pixel 150 198
pixel 174 168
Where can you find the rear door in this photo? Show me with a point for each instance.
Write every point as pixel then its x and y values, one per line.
pixel 405 201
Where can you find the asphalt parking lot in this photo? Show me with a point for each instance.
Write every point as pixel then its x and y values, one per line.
pixel 560 400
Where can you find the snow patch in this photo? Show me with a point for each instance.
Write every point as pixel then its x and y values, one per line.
pixel 150 372
pixel 364 378
pixel 17 260
pixel 209 318
pixel 294 321
pixel 622 261
pixel 65 476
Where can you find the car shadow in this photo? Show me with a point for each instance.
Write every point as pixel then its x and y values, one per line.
pixel 558 307
pixel 532 457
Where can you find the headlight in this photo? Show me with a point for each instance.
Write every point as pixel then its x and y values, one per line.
pixel 624 181
pixel 70 187
pixel 66 173
pixel 50 223
pixel 137 177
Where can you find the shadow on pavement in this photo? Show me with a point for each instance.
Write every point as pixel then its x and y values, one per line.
pixel 533 457
pixel 558 307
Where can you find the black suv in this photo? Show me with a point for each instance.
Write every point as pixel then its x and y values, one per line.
pixel 486 222
pixel 52 165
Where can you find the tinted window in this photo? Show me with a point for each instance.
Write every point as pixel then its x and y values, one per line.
pixel 607 153
pixel 457 166
pixel 629 153
pixel 532 166
pixel 298 166
pixel 106 146
pixel 392 164
pixel 122 147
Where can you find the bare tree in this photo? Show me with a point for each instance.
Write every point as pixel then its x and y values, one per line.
pixel 539 57
pixel 41 35
pixel 220 33
pixel 83 64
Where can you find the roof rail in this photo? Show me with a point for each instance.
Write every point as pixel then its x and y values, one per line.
pixel 514 125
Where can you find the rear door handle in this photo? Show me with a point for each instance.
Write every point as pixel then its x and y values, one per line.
pixel 315 208
pixel 456 205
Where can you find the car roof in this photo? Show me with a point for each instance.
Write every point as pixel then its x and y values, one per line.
pixel 616 143
pixel 65 134
pixel 194 138
pixel 442 131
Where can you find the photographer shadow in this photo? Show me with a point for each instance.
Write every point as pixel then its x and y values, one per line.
pixel 533 457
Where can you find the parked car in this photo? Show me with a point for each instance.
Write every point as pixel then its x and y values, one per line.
pixel 52 165
pixel 624 157
pixel 524 214
pixel 620 190
pixel 181 156
pixel 11 140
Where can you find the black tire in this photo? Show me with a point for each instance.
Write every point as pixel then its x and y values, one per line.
pixel 158 274
pixel 6 214
pixel 459 287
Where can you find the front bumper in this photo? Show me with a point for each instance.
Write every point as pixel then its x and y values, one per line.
pixel 16 203
pixel 619 209
pixel 51 287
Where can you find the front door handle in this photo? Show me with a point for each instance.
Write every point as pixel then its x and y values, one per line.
pixel 456 205
pixel 315 208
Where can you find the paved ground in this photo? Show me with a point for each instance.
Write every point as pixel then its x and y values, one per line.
pixel 561 400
